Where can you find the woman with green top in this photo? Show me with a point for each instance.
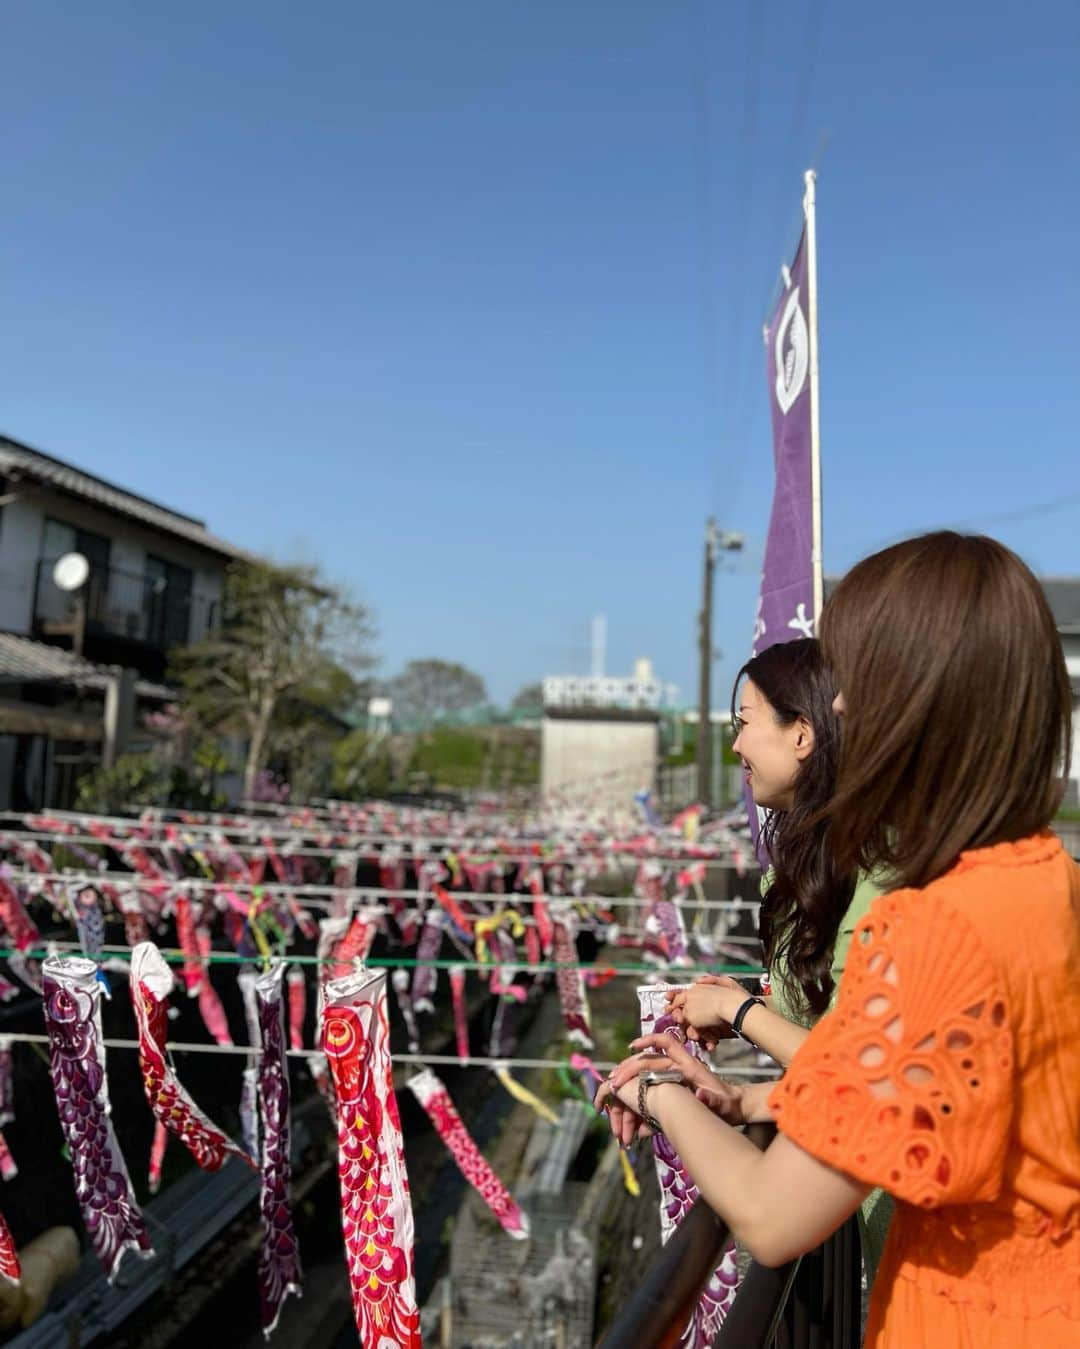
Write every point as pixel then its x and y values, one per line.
pixel 787 736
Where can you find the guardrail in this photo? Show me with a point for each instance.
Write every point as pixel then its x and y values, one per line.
pixel 811 1303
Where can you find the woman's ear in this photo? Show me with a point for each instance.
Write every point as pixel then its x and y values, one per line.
pixel 804 739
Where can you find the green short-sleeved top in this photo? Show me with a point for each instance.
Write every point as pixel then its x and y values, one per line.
pixel 877 1209
pixel 867 889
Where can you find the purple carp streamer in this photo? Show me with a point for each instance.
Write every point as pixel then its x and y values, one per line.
pixel 279 1256
pixel 678 1193
pixel 426 977
pixel 569 982
pixel 77 1066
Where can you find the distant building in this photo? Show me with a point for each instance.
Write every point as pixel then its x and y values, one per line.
pixel 600 737
pixel 154 581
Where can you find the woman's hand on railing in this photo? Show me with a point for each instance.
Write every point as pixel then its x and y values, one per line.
pixel 618 1095
pixel 706 1008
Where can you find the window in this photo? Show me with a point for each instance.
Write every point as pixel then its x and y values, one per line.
pixel 54 605
pixel 167 603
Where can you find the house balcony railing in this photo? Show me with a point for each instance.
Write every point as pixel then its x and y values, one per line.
pixel 132 606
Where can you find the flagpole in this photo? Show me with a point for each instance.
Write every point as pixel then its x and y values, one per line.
pixel 809 206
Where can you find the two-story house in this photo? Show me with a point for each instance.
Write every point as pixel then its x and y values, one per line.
pixel 154 581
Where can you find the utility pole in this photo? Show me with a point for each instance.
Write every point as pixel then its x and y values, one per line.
pixel 726 541
pixel 705 657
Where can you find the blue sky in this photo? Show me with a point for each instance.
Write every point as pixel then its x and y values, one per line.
pixel 464 300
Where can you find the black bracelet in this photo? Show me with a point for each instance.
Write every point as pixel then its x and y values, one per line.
pixel 740 1017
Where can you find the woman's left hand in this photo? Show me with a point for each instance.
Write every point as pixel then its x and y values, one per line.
pixel 626 1124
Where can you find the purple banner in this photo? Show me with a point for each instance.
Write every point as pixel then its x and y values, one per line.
pixel 785 609
pixel 786 605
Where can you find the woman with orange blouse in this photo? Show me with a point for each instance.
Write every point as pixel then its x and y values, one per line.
pixel 948 1073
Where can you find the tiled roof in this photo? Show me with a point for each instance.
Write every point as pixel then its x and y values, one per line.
pixel 20 461
pixel 23 661
pixel 1063 592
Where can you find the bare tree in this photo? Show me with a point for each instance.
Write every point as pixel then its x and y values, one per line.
pixel 429 689
pixel 527 698
pixel 287 636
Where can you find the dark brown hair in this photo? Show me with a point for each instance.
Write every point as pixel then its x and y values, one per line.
pixel 957 724
pixel 808 895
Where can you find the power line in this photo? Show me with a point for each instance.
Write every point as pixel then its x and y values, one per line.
pixel 1031 512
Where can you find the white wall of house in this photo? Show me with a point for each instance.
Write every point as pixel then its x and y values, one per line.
pixel 22 543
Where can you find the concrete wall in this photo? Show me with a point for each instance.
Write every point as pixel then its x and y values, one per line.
pixel 22 530
pixel 602 762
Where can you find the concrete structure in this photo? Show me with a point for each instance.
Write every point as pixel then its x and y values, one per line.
pixel 598 757
pixel 600 737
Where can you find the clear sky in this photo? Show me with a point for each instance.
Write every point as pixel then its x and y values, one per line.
pixel 464 300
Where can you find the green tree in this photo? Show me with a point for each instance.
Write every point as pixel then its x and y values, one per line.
pixel 289 640
pixel 429 689
pixel 363 766
pixel 528 699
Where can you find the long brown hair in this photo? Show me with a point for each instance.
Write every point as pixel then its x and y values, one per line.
pixel 808 895
pixel 957 725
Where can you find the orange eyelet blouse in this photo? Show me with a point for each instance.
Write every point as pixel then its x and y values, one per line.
pixel 949 1075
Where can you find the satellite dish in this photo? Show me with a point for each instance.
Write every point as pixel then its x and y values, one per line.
pixel 71 571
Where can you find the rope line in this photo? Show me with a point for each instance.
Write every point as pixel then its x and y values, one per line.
pixel 305 890
pixel 172 956
pixel 481 1061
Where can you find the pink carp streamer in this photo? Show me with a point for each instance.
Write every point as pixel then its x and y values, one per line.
pixel 8 1169
pixel 9 1259
pixel 210 1005
pixel 433 1096
pixel 279 1258
pixel 344 941
pixel 113 1222
pixel 461 1014
pixel 151 984
pixel 375 1209
pixel 678 1193
pixel 157 1156
pixel 297 987
pixel 193 972
pixel 20 928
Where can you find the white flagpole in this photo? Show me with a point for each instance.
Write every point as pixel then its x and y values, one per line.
pixel 809 204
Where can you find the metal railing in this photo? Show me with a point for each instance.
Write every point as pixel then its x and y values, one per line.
pixel 117 603
pixel 811 1303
